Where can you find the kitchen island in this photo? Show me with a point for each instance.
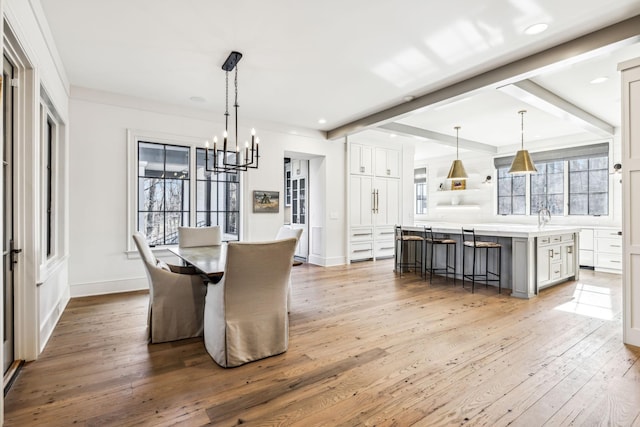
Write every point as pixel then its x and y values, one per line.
pixel 532 259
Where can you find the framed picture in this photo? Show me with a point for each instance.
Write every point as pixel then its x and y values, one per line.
pixel 459 184
pixel 266 201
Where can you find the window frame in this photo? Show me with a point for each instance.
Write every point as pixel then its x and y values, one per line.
pixel 134 136
pixel 526 194
pixel 421 190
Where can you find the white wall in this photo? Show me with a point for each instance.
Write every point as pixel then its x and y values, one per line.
pixel 99 262
pixel 479 165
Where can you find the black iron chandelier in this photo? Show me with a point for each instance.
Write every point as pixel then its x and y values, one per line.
pixel 231 158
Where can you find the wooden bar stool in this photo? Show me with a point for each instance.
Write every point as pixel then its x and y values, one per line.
pixel 402 240
pixel 432 243
pixel 469 241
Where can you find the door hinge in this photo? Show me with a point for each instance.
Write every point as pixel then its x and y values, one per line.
pixel 15 82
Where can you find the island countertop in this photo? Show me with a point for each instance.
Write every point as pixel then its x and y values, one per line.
pixel 497 229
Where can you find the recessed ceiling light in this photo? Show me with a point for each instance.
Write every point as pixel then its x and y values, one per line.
pixel 197 99
pixel 536 29
pixel 392 135
pixel 322 121
pixel 408 98
pixel 599 80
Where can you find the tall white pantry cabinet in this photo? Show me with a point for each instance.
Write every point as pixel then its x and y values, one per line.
pixel 374 200
pixel 630 200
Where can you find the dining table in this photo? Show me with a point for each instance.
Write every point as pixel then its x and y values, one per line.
pixel 208 260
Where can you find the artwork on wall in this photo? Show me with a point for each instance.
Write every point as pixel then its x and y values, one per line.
pixel 266 201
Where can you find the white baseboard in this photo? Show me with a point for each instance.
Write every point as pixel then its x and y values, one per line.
pixel 326 262
pixel 109 287
pixel 52 318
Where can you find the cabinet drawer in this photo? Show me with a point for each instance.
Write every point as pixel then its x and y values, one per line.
pixel 612 261
pixel 586 258
pixel 607 245
pixel 544 240
pixel 361 234
pixel 362 250
pixel 384 248
pixel 566 238
pixel 611 233
pixel 556 271
pixel 385 233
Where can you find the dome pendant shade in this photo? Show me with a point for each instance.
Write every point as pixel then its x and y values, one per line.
pixel 522 163
pixel 457 171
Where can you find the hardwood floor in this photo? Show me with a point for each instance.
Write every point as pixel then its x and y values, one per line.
pixel 366 348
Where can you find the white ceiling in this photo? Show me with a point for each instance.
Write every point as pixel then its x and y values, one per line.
pixel 342 60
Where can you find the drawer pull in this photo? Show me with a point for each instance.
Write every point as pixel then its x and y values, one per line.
pixel 362 250
pixel 387 248
pixel 362 234
pixel 615 261
pixel 615 246
pixel 387 232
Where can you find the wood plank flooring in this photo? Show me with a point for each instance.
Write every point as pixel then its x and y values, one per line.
pixel 367 347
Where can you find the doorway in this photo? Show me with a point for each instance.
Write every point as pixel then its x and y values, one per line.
pixel 297 201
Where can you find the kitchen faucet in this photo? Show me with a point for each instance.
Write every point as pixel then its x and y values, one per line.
pixel 544 216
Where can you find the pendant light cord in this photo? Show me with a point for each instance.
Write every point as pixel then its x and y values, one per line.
pixel 457 128
pixel 522 128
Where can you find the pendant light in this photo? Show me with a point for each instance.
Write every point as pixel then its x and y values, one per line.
pixel 522 163
pixel 457 168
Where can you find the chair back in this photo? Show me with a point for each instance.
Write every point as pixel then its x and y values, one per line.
pixel 143 248
pixel 428 233
pixel 256 277
pixel 287 232
pixel 468 236
pixel 189 237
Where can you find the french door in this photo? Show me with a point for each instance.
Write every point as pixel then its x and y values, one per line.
pixel 9 251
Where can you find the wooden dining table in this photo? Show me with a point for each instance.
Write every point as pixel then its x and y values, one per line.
pixel 208 260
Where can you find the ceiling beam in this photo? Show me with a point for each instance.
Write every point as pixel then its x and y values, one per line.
pixel 440 138
pixel 533 94
pixel 619 32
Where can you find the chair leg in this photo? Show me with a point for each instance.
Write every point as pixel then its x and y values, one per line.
pixel 473 272
pixel 463 272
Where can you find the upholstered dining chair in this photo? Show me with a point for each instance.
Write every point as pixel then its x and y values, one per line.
pixel 245 314
pixel 176 300
pixel 189 237
pixel 286 232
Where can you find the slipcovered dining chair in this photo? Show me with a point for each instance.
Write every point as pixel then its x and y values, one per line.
pixel 190 237
pixel 176 300
pixel 245 315
pixel 286 232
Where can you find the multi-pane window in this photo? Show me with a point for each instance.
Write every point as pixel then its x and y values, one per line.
pixel 163 191
pixel 589 186
pixel 217 198
pixel 420 182
pixel 512 193
pixel 547 188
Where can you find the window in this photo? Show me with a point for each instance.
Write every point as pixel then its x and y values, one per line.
pixel 547 188
pixel 49 129
pixel 512 193
pixel 589 186
pixel 163 191
pixel 420 182
pixel 570 181
pixel 217 198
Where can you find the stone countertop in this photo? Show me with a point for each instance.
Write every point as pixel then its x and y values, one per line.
pixel 498 229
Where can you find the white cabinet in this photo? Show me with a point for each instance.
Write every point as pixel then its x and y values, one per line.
pixel 387 162
pixel 361 159
pixel 586 248
pixel 361 201
pixel 556 259
pixel 374 201
pixel 608 250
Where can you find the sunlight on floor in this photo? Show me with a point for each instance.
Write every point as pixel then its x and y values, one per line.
pixel 591 301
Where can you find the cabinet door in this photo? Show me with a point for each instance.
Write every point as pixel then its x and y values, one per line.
pixel 361 203
pixel 361 159
pixel 568 261
pixel 386 202
pixel 387 163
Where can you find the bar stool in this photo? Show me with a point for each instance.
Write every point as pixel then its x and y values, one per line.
pixel 433 242
pixel 469 241
pixel 402 239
